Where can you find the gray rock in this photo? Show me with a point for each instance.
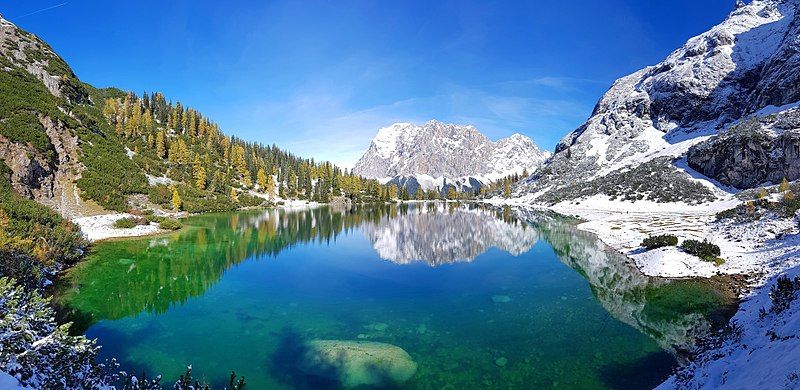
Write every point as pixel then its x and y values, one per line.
pixel 752 153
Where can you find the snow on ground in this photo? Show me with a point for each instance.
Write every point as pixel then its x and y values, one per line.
pixel 9 382
pixel 763 354
pixel 101 227
pixel 297 204
pixel 762 248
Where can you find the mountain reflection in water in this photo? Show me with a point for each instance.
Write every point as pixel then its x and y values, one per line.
pixel 441 234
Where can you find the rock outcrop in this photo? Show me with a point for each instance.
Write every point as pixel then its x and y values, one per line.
pixel 754 152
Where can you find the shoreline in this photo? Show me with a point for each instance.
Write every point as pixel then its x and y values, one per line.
pixel 100 227
pixel 756 254
pixel 622 226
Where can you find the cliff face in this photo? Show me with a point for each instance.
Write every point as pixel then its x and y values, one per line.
pixel 752 153
pixel 38 143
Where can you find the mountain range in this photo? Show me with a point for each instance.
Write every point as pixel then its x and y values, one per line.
pixel 439 156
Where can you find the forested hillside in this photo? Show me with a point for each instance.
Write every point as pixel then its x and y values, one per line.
pixel 211 170
pixel 114 145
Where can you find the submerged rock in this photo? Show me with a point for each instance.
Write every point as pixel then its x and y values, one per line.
pixel 358 363
pixel 377 326
pixel 501 299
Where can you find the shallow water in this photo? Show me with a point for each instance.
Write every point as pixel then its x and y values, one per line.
pixel 477 297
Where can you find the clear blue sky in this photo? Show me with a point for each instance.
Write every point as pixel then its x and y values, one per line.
pixel 319 78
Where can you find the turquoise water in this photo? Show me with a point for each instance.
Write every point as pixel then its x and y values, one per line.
pixel 478 298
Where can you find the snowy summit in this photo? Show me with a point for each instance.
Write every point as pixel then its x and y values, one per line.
pixel 437 152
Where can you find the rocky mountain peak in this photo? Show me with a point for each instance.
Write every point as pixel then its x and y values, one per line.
pixel 26 51
pixel 446 150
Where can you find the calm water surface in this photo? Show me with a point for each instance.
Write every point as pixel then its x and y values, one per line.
pixel 476 297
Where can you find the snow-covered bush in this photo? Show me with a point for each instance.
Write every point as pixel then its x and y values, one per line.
pixel 38 352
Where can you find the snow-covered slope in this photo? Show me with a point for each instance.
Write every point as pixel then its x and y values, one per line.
pixel 437 151
pixel 748 62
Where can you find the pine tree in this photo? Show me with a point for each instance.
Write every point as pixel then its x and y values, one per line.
pixel 239 163
pixel 160 148
pixel 176 199
pixel 788 196
pixel 507 188
pixel 269 187
pixel 261 179
pixel 147 120
pixel 291 185
pixel 784 186
pixel 234 195
pixel 199 175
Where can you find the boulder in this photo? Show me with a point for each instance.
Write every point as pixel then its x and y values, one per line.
pixel 358 363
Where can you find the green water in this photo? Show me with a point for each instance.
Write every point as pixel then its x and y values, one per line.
pixel 478 298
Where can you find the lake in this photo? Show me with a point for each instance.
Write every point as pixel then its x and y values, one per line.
pixel 414 296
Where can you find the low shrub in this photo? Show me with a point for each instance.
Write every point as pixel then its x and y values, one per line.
pixel 783 293
pixel 126 223
pixel 661 241
pixel 170 224
pixel 703 249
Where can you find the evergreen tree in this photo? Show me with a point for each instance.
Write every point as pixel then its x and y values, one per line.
pixel 291 185
pixel 452 194
pixel 160 146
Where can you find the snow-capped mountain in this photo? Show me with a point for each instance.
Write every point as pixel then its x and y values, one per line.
pixel 649 119
pixel 437 153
